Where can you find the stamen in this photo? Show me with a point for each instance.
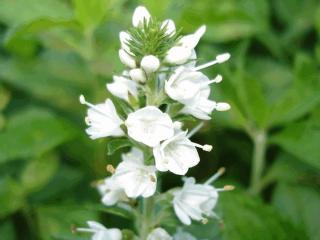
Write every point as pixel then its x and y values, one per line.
pixel 225 188
pixel 84 102
pixel 217 79
pixel 110 169
pixel 195 130
pixel 87 120
pixel 215 176
pixel 219 59
pixel 222 106
pixel 84 230
pixel 205 147
pixel 204 220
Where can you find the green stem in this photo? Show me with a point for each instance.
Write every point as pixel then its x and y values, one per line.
pixel 146 218
pixel 258 160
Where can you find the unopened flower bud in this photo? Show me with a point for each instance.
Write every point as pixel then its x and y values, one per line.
pixel 140 14
pixel 137 75
pixel 170 27
pixel 150 63
pixel 178 55
pixel 126 59
pixel 223 57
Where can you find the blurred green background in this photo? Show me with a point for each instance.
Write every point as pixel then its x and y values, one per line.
pixel 52 51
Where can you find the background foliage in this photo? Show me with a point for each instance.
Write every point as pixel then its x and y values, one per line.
pixel 53 50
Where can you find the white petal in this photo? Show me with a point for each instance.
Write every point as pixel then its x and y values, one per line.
pixel 170 27
pixel 138 75
pixel 95 225
pixel 190 41
pixel 178 55
pixel 149 126
pixel 140 15
pixel 183 217
pixel 150 63
pixel 124 40
pixel 121 87
pixel 127 59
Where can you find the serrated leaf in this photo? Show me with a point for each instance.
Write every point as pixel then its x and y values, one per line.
pixel 116 144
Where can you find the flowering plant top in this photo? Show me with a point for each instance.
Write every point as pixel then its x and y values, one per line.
pixel 160 83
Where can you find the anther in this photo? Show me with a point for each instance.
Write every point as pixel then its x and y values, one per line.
pixel 110 169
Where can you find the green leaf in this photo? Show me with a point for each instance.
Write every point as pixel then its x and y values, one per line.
pixel 301 96
pixel 301 139
pixel 115 210
pixel 301 205
pixel 22 11
pixel 38 172
pixel 11 196
pixel 116 144
pixel 90 13
pixel 33 132
pixel 54 77
pixel 56 221
pixel 7 230
pixel 227 20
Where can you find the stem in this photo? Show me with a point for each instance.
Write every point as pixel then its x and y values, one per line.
pixel 146 217
pixel 258 160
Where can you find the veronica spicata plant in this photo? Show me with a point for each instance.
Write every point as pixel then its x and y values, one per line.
pixel 160 86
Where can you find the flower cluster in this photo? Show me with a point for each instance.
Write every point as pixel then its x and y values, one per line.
pixel 161 82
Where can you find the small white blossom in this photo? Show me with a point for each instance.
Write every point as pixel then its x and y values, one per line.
pixel 140 15
pixel 149 125
pixel 121 87
pixel 184 84
pixel 159 234
pixel 138 75
pixel 127 59
pixel 100 232
pixel 150 63
pixel 177 154
pixel 197 201
pixel 170 27
pixel 134 177
pixel 102 119
pixel 111 192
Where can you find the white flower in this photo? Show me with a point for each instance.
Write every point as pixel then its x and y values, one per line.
pixel 100 232
pixel 159 234
pixel 140 15
pixel 182 52
pixel 184 84
pixel 138 75
pixel 102 119
pixel 134 177
pixel 150 63
pixel 170 27
pixel 111 192
pixel 177 154
pixel 127 59
pixel 196 201
pixel 121 87
pixel 149 125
